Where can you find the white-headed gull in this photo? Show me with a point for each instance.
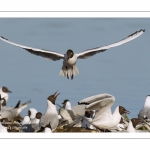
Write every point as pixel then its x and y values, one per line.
pixel 145 112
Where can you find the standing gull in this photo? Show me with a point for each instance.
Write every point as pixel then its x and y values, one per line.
pixel 69 68
pixel 51 115
pixel 104 118
pixel 65 111
pixel 145 112
pixel 4 95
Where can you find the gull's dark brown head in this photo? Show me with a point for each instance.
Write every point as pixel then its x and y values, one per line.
pixel 122 110
pixel 38 115
pixel 52 98
pixel 87 114
pixel 135 122
pixel 70 53
pixel 5 89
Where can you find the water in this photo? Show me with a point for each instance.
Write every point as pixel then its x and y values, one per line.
pixel 122 71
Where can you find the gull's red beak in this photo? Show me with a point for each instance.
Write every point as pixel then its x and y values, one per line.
pixel 56 94
pixel 127 112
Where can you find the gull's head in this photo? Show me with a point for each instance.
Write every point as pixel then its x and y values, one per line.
pixel 122 110
pixel 135 121
pixel 65 102
pixel 88 114
pixel 38 115
pixel 32 112
pixel 147 101
pixel 5 90
pixel 70 53
pixel 52 98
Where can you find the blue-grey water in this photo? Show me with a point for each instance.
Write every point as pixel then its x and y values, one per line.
pixel 122 71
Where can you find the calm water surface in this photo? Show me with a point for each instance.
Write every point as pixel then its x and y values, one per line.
pixel 122 71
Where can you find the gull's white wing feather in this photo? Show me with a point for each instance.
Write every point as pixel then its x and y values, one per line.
pixel 91 52
pixel 104 111
pixel 97 105
pixel 84 103
pixel 94 98
pixel 40 52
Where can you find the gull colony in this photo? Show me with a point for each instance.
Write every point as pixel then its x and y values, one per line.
pixel 91 114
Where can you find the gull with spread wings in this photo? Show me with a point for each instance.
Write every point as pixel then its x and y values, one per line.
pixel 69 68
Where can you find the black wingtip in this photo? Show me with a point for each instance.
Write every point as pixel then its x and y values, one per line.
pixel 144 30
pixel 3 38
pixel 18 104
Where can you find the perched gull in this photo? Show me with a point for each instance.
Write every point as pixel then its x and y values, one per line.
pixel 4 95
pixel 11 113
pixel 67 115
pixel 132 125
pixel 101 103
pixel 51 115
pixel 69 68
pixel 31 125
pixel 80 108
pixel 65 111
pixel 145 112
pixel 32 113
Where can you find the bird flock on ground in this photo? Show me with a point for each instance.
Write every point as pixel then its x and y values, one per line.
pixel 92 114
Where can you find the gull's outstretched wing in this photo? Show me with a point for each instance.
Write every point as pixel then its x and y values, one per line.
pixel 40 52
pixel 90 101
pixel 104 108
pixel 91 52
pixel 94 98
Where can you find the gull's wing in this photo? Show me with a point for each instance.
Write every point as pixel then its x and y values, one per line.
pixel 100 104
pixel 94 98
pixel 91 52
pixel 65 114
pixel 82 105
pixel 40 52
pixel 79 110
pixel 104 111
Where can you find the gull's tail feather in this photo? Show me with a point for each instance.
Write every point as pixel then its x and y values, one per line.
pixel 69 72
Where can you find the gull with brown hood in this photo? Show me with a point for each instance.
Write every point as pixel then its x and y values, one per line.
pixel 4 96
pixel 132 125
pixel 69 68
pixel 104 118
pixel 51 115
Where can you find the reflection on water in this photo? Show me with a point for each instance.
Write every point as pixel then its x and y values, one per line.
pixel 121 71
